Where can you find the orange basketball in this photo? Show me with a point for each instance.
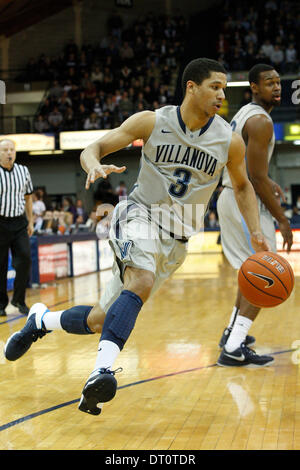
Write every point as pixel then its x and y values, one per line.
pixel 266 279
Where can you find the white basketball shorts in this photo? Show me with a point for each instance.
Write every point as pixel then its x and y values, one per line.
pixel 235 236
pixel 139 243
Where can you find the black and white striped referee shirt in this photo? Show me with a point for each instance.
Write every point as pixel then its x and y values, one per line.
pixel 14 185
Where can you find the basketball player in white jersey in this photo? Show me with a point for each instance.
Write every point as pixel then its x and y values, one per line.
pixel 185 150
pixel 254 123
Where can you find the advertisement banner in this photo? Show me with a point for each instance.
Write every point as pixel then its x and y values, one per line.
pixel 106 256
pixel 73 140
pixel 53 262
pixel 84 257
pixel 30 142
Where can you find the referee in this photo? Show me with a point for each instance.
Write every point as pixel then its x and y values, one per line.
pixel 16 225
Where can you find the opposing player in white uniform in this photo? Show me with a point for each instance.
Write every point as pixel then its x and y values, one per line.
pixel 254 123
pixel 185 150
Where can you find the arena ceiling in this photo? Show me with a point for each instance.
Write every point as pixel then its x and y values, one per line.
pixel 16 15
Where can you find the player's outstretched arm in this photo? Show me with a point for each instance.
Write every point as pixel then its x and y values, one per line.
pixel 137 126
pixel 244 192
pixel 259 131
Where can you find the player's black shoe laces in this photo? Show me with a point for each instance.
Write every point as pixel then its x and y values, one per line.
pixel 106 370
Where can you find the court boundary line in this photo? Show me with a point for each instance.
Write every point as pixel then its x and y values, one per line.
pixel 139 382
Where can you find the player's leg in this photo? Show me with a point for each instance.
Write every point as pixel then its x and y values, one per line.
pixel 238 330
pixel 237 247
pixel 249 340
pixel 235 352
pixel 163 258
pixel 119 322
pixel 79 319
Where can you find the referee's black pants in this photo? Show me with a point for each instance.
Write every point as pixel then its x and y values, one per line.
pixel 14 236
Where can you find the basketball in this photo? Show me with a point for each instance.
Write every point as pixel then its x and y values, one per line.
pixel 266 279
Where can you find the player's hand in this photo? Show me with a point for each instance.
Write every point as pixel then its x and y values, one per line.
pixel 287 235
pixel 101 171
pixel 259 243
pixel 278 193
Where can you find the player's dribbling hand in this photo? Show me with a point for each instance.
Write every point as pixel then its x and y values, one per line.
pixel 287 235
pixel 259 243
pixel 101 171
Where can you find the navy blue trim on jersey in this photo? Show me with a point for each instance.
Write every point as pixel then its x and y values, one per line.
pixel 206 126
pixel 181 123
pixel 183 126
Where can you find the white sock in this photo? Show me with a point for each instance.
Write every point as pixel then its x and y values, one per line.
pixel 107 354
pixel 234 314
pixel 238 334
pixel 51 320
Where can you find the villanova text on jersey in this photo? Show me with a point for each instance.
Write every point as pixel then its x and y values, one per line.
pixel 189 156
pixel 181 168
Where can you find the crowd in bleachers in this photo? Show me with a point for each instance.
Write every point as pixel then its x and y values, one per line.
pixel 98 87
pixel 68 215
pixel 267 32
pixel 131 68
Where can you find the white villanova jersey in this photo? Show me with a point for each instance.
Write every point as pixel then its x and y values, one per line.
pixel 237 123
pixel 180 169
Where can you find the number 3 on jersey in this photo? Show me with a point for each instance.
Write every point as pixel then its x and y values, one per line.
pixel 180 187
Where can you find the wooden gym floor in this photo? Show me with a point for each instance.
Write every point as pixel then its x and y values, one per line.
pixel 171 395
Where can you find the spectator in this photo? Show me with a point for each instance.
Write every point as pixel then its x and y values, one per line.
pixel 80 117
pixel 38 210
pixel 251 36
pixel 267 48
pixel 97 76
pixel 211 220
pixel 222 44
pixel 291 59
pixel 97 108
pixel 40 124
pixel 92 122
pixel 126 53
pixel 55 91
pixel 295 219
pixel 108 120
pixel 64 102
pixel 68 206
pixel 90 91
pixel 80 211
pixel 277 57
pixel 125 107
pixel 46 108
pixel 247 97
pixel 55 119
pixel 91 221
pixel 121 190
pixel 69 120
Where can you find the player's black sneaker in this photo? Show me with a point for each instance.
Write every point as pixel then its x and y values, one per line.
pixel 21 307
pixel 100 387
pixel 249 340
pixel 18 343
pixel 243 357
